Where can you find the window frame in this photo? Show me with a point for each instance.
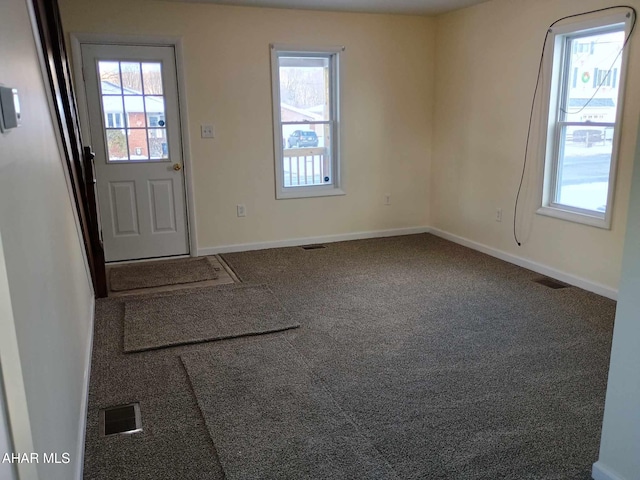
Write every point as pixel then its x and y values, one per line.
pixel 335 186
pixel 557 78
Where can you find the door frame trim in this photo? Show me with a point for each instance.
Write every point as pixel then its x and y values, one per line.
pixel 78 39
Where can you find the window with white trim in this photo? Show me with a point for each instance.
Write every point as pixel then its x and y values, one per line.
pixel 585 93
pixel 306 118
pixel 114 120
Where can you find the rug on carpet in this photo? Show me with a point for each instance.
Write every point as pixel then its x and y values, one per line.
pixel 270 416
pixel 157 274
pixel 203 315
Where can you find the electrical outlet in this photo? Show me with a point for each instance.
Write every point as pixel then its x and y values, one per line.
pixel 499 215
pixel 206 131
pixel 387 199
pixel 241 210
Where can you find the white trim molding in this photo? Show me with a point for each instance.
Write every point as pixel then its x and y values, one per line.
pixel 602 472
pixel 295 242
pixel 530 265
pixel 331 120
pixel 84 405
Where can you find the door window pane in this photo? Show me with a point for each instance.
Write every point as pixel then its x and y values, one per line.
pixel 154 107
pixel 138 144
pixel 135 123
pixel 112 105
pixel 152 77
pixel 110 78
pixel 117 145
pixel 134 107
pixel 158 143
pixel 131 78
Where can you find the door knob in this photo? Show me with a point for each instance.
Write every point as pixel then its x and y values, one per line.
pixel 177 167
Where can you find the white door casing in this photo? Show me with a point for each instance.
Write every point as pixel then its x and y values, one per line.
pixel 132 102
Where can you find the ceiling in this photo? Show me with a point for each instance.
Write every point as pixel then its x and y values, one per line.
pixel 406 7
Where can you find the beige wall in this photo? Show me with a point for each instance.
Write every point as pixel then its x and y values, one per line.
pixel 387 107
pixel 48 288
pixel 486 65
pixel 467 76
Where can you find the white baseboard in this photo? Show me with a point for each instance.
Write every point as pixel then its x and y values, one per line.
pixel 494 252
pixel 294 242
pixel 84 406
pixel 530 265
pixel 602 472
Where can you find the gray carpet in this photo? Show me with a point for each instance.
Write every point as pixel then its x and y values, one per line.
pixel 203 315
pixel 157 274
pixel 453 364
pixel 270 417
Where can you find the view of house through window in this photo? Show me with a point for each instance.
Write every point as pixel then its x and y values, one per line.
pixel 583 118
pixel 133 109
pixel 306 118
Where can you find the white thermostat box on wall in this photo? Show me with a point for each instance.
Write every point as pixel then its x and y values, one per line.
pixel 9 109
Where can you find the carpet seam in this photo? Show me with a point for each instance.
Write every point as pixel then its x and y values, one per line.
pixel 187 291
pixel 204 419
pixel 199 342
pixel 349 418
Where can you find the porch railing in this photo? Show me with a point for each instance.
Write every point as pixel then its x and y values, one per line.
pixel 306 166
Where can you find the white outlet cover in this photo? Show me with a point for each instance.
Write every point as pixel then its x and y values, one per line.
pixel 206 131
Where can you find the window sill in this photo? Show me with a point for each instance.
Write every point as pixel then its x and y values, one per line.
pixel 583 217
pixel 309 192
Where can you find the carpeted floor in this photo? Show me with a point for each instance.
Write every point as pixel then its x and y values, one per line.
pixel 452 364
pixel 271 417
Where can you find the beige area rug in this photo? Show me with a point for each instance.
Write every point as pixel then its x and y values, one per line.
pixel 271 417
pixel 207 314
pixel 157 274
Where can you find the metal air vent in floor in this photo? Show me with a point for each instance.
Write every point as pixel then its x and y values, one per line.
pixel 551 283
pixel 121 419
pixel 312 247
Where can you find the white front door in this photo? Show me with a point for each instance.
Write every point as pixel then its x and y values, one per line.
pixel 132 98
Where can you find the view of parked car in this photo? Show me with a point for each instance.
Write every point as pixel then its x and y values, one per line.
pixel 303 138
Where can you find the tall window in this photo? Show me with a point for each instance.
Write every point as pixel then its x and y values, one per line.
pixel 306 117
pixel 585 97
